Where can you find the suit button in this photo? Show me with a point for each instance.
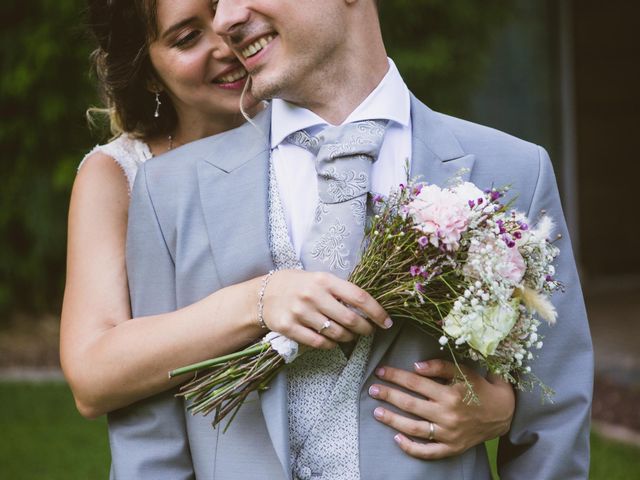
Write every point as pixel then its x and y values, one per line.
pixel 303 473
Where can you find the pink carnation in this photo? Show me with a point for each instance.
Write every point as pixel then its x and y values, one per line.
pixel 441 214
pixel 514 266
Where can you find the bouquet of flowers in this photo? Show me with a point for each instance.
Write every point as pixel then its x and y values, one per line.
pixel 456 262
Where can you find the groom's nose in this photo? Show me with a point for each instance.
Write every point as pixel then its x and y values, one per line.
pixel 230 16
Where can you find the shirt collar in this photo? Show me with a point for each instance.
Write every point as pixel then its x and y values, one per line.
pixel 390 100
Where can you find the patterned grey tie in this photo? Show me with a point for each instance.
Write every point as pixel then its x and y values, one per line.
pixel 344 156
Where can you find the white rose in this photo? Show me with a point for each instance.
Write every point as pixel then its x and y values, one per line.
pixel 485 328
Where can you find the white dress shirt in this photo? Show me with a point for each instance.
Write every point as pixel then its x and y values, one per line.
pixel 295 167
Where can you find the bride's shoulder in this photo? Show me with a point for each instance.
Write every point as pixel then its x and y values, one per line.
pixel 125 152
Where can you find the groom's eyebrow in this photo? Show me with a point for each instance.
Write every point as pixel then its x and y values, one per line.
pixel 178 26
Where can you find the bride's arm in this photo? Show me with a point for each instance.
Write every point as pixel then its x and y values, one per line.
pixel 110 360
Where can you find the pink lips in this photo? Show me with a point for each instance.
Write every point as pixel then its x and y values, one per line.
pixel 237 85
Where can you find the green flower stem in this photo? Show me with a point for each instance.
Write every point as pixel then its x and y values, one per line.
pixel 259 348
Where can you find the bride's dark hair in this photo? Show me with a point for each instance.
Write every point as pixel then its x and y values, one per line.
pixel 123 30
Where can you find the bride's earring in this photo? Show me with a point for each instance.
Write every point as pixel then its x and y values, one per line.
pixel 158 103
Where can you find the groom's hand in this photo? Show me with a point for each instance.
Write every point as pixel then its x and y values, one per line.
pixel 457 426
pixel 319 309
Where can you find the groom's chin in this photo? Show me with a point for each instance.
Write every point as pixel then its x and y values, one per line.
pixel 263 88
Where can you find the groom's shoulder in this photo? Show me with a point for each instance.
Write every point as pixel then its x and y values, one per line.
pixel 492 146
pixel 499 158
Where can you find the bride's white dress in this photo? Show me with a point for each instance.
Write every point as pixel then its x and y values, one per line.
pixel 128 152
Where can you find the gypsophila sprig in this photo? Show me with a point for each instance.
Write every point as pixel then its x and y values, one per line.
pixel 457 262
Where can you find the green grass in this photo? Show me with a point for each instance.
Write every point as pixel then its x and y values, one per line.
pixel 42 436
pixel 612 461
pixel 609 460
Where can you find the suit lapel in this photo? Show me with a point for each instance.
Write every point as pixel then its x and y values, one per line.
pixel 234 192
pixel 436 158
pixel 234 189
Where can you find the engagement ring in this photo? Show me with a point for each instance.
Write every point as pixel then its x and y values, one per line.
pixel 324 326
pixel 432 431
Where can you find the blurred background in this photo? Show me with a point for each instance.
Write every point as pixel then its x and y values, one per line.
pixel 561 73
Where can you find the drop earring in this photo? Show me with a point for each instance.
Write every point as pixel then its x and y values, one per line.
pixel 158 103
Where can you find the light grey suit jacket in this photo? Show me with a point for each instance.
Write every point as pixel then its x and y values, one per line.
pixel 198 222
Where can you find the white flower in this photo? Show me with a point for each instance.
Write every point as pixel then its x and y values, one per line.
pixel 287 348
pixel 484 328
pixel 468 191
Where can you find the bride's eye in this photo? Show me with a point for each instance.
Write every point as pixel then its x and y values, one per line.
pixel 187 39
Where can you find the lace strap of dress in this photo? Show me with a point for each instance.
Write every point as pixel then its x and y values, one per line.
pixel 129 153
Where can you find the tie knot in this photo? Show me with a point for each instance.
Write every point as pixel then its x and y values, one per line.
pixel 344 157
pixel 357 138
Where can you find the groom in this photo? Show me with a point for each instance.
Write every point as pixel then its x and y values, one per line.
pixel 199 220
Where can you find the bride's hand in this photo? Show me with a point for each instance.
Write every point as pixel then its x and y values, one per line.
pixel 311 308
pixel 457 426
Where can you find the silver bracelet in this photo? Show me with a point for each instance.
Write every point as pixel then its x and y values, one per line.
pixel 265 282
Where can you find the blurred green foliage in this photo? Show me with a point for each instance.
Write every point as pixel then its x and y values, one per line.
pixel 442 46
pixel 44 91
pixel 45 88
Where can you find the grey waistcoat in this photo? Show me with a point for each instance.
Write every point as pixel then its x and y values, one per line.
pixel 323 385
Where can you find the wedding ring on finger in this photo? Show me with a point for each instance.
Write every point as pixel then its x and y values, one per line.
pixel 432 431
pixel 324 326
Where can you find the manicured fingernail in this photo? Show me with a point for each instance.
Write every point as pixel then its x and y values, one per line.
pixel 380 372
pixel 378 412
pixel 398 438
pixel 388 323
pixel 421 365
pixel 374 391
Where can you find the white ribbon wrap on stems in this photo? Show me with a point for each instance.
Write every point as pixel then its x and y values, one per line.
pixel 286 348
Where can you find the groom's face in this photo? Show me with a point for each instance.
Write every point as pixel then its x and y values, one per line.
pixel 288 46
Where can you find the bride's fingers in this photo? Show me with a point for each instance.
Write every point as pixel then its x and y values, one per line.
pixel 418 406
pixel 416 428
pixel 306 336
pixel 361 300
pixel 344 316
pixel 416 383
pixel 425 451
pixel 330 329
pixel 444 369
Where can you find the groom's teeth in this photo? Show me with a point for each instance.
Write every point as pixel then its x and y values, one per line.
pixel 256 46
